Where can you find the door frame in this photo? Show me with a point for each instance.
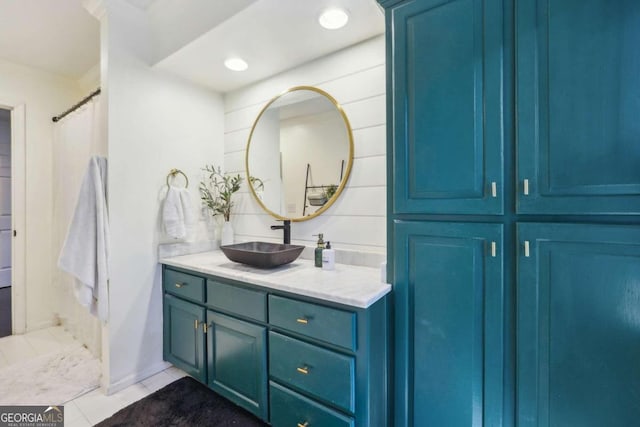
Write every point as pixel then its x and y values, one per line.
pixel 18 215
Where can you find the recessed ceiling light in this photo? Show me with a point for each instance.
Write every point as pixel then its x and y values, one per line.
pixel 332 19
pixel 236 64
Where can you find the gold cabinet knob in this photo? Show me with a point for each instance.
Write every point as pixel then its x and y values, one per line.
pixel 305 424
pixel 303 370
pixel 302 320
pixel 179 285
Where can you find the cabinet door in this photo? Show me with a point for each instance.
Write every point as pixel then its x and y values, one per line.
pixel 578 106
pixel 578 325
pixel 448 287
pixel 237 361
pixel 446 70
pixel 184 336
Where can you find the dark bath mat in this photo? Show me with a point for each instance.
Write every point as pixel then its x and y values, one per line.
pixel 184 402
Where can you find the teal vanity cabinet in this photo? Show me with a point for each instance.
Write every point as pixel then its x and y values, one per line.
pixel 544 94
pixel 234 362
pixel 578 325
pixel 578 125
pixel 289 359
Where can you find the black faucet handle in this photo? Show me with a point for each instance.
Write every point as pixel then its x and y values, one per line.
pixel 286 227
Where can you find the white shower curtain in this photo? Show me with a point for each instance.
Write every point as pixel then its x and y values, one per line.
pixel 77 137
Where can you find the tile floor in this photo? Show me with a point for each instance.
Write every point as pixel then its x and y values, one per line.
pixel 93 407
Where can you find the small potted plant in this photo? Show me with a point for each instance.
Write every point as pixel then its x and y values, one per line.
pixel 215 192
pixel 330 191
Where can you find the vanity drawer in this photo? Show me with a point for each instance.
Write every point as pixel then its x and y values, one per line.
pixel 237 300
pixel 184 285
pixel 316 321
pixel 322 373
pixel 289 408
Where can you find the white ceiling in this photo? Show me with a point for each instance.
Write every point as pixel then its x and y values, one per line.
pixel 55 35
pixel 271 35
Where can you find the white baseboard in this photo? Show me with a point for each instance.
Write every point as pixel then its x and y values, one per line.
pixel 135 378
pixel 41 325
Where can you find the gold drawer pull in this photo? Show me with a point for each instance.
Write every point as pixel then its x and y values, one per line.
pixel 303 370
pixel 305 424
pixel 179 285
pixel 302 320
pixel 195 324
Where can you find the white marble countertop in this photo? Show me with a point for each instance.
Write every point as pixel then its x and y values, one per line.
pixel 347 284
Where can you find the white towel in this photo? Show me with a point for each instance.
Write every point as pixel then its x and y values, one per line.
pixel 177 212
pixel 85 251
pixel 187 208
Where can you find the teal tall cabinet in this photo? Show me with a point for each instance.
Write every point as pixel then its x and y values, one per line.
pixel 514 211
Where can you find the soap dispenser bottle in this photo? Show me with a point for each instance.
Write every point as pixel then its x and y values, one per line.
pixel 318 251
pixel 328 258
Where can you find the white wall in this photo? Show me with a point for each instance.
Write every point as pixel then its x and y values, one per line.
pixel 356 78
pixel 44 95
pixel 155 123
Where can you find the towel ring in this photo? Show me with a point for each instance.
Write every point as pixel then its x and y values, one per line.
pixel 174 172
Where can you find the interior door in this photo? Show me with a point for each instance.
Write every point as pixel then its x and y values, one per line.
pixel 5 223
pixel 5 211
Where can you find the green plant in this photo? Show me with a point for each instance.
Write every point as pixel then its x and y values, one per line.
pixel 330 191
pixel 216 191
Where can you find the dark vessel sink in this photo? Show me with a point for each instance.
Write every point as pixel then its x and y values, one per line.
pixel 262 254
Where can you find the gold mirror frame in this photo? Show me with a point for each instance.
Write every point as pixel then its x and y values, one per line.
pixel 347 172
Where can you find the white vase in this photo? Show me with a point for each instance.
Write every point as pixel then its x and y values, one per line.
pixel 227 234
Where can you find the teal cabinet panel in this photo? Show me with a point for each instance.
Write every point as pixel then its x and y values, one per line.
pixel 328 324
pixel 184 340
pixel 578 132
pixel 449 324
pixel 578 323
pixel 307 367
pixel 447 67
pixel 234 299
pixel 289 408
pixel 236 361
pixel 184 285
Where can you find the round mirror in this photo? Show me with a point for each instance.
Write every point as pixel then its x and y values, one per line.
pixel 299 154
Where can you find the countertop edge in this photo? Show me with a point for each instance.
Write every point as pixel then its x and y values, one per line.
pixel 364 302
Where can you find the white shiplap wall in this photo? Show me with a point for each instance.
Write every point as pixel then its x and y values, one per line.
pixel 356 78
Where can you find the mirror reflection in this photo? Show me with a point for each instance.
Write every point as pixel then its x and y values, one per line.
pixel 299 154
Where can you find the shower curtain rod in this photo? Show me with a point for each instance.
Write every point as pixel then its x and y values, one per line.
pixel 76 106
